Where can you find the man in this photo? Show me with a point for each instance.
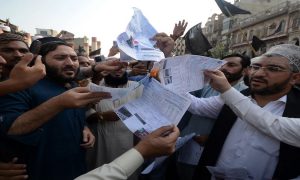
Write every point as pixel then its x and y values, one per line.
pixel 234 70
pixel 83 61
pixel 155 144
pixel 248 148
pixel 113 137
pixel 22 75
pixel 12 49
pixel 47 118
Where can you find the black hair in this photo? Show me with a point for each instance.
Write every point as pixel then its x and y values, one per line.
pixel 51 46
pixel 245 60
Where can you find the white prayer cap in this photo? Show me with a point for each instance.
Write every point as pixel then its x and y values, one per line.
pixel 5 28
pixel 289 51
pixel 253 60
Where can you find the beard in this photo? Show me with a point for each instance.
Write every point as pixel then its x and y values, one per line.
pixel 246 80
pixel 231 77
pixel 113 81
pixel 270 90
pixel 54 73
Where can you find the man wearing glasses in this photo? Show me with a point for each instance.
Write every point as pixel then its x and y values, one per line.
pixel 251 139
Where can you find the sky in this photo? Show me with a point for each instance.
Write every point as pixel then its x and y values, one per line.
pixel 104 19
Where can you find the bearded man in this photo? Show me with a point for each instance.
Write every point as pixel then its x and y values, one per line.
pixel 261 149
pixel 234 71
pixel 48 117
pixel 113 137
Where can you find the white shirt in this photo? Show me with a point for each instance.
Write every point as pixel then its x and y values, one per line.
pixel 119 169
pixel 248 145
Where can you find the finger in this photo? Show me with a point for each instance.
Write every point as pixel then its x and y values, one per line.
pixel 81 89
pixel 19 177
pixel 98 95
pixel 8 166
pixel 38 61
pixel 172 136
pixel 162 130
pixel 2 60
pixel 133 63
pixel 85 137
pixel 14 160
pixel 10 172
pixel 213 73
pixel 185 25
pixel 26 59
pixel 114 67
pixel 90 101
pixel 86 145
pixel 94 95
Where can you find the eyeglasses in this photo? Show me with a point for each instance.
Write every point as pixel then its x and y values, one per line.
pixel 271 69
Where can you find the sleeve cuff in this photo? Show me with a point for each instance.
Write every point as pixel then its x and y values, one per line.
pixel 132 157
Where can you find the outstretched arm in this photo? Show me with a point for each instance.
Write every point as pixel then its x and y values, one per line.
pixel 155 144
pixel 281 128
pixel 73 98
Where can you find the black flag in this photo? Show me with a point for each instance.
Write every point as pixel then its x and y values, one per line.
pixel 195 41
pixel 229 9
pixel 257 43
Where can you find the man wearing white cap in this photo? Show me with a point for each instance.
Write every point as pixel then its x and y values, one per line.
pixel 4 28
pixel 251 137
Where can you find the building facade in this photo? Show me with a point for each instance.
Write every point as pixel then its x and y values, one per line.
pixel 46 32
pixel 273 22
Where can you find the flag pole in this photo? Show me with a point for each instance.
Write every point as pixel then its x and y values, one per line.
pixel 240 30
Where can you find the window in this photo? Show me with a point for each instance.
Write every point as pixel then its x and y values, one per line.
pixel 250 34
pixel 296 23
pixel 44 33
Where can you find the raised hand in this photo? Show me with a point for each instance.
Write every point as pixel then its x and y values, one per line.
pixel 179 29
pixel 218 80
pixel 160 142
pixel 25 76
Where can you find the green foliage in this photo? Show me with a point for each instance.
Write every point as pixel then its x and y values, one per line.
pixel 219 51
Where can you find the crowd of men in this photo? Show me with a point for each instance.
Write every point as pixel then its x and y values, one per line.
pixel 53 127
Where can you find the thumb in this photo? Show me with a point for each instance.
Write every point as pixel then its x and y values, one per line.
pixel 38 61
pixel 85 137
pixel 14 160
pixel 212 73
pixel 81 89
pixel 26 59
pixel 163 130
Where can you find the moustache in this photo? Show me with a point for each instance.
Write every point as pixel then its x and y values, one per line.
pixel 68 68
pixel 227 74
pixel 259 80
